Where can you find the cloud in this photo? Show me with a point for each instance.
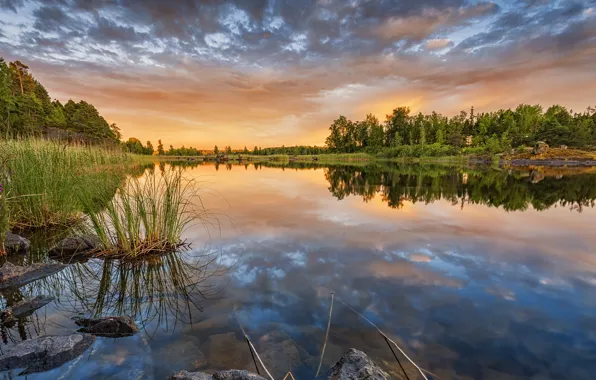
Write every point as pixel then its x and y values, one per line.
pixel 275 61
pixel 438 43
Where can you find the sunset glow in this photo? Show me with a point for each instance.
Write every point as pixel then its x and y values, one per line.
pixel 272 73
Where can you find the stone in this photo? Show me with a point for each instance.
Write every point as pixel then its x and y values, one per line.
pixel 44 353
pixel 111 327
pixel 540 148
pixel 76 246
pixel 185 375
pixel 224 351
pixel 279 353
pixel 14 244
pixel 24 308
pixel 233 374
pixel 14 276
pixel 355 365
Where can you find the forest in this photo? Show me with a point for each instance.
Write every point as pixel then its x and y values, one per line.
pixel 403 134
pixel 26 109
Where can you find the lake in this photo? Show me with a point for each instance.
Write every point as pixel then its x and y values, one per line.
pixel 477 273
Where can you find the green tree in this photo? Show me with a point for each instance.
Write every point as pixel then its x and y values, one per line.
pixel 160 150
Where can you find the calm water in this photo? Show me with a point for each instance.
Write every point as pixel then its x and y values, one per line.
pixel 478 274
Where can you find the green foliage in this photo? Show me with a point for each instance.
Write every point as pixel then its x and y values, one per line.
pixel 147 216
pixel 404 135
pixel 43 179
pixel 26 108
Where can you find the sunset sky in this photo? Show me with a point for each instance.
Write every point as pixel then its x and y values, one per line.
pixel 273 72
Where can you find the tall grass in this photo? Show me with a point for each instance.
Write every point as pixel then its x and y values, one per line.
pixel 147 215
pixel 41 177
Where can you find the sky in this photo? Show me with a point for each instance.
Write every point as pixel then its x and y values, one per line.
pixel 278 72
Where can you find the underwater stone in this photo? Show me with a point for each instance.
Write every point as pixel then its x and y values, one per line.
pixel 15 276
pixel 111 327
pixel 233 374
pixel 24 308
pixel 44 353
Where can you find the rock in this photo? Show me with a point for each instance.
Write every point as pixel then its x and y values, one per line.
pixel 185 375
pixel 279 353
pixel 73 246
pixel 12 276
pixel 355 365
pixel 540 148
pixel 24 308
pixel 233 374
pixel 112 327
pixel 16 244
pixel 44 353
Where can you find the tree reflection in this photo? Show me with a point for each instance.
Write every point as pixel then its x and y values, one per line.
pixel 514 191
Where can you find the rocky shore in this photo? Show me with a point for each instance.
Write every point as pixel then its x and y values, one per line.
pixel 354 365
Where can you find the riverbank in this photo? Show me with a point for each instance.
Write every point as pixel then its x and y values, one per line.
pixel 558 158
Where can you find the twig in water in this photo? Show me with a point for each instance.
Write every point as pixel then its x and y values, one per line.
pixel 250 346
pixel 389 340
pixel 326 335
pixel 289 374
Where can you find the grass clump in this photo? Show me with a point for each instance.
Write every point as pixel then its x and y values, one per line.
pixel 147 216
pixel 41 177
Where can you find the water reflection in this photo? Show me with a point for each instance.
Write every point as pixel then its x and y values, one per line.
pixel 164 289
pixel 472 292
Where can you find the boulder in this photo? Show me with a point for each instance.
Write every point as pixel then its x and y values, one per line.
pixel 112 327
pixel 14 276
pixel 24 308
pixel 14 244
pixel 76 246
pixel 355 365
pixel 233 374
pixel 540 148
pixel 44 353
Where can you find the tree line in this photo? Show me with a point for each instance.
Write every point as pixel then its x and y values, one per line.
pixel 134 145
pixel 404 134
pixel 26 108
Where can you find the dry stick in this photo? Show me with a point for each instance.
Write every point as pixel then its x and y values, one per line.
pixel 387 338
pixel 253 356
pixel 289 374
pixel 326 335
pixel 250 346
pixel 396 358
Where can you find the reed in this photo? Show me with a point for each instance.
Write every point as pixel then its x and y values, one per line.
pixel 41 177
pixel 147 216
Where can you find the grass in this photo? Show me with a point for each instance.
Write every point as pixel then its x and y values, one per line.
pixel 556 154
pixel 41 178
pixel 147 216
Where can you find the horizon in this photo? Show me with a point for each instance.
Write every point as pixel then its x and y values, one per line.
pixel 269 74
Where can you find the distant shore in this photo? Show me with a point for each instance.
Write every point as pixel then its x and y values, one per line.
pixel 557 158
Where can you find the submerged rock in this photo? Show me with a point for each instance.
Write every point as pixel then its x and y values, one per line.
pixel 16 244
pixel 24 308
pixel 74 246
pixel 44 353
pixel 112 327
pixel 12 276
pixel 222 375
pixel 355 365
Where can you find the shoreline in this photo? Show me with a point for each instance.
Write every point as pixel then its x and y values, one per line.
pixel 360 158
